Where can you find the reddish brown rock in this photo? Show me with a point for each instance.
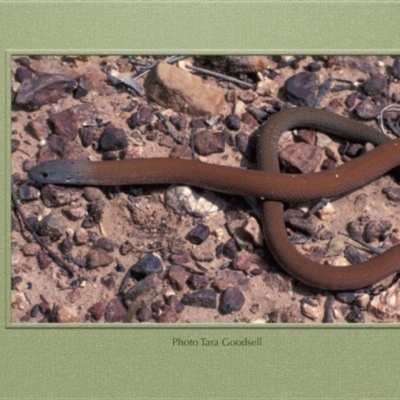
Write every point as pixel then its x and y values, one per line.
pixel 301 157
pixel 115 311
pixel 55 196
pixel 242 260
pixel 178 276
pixel 98 258
pixel 208 142
pixel 97 310
pixel 172 87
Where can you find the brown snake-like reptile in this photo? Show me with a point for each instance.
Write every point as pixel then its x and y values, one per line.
pixel 266 182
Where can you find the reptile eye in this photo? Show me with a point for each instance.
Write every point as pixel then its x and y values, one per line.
pixel 45 175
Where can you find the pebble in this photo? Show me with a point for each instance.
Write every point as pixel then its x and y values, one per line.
pixel 375 85
pixel 83 87
pixel 112 139
pixel 97 310
pixel 353 255
pixel 175 304
pixel 125 248
pixel 66 123
pixel 232 122
pixel 351 100
pixel 362 301
pixel 168 315
pixel 28 193
pixel 31 249
pixel 208 142
pixel 92 193
pixel 346 297
pixel 204 251
pixel 253 229
pixel 65 314
pixel 368 109
pixel 56 196
pixel 95 210
pixel 149 264
pixel 114 311
pixel 355 229
pixel 44 260
pixel 249 120
pixel 143 116
pixel 197 282
pixel 392 193
pixel 232 300
pixel 242 260
pixel 328 310
pixel 98 258
pixel 310 309
pixel 300 89
pixel 230 249
pixel 106 244
pixel 374 229
pixel 66 246
pixel 206 298
pixel 361 202
pixel 199 234
pixel 396 68
pixel 301 157
pixel 178 121
pixel 178 276
pixel 39 127
pixel 52 227
pixel 335 247
pixel 307 136
pixel 183 199
pixel 144 314
pixel 296 220
pixel 81 236
pixel 108 282
pixel 44 89
pixel 248 96
pixel 75 213
pixel 355 316
pixel 173 87
pixel 15 281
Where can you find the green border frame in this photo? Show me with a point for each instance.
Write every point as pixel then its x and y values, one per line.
pixel 107 362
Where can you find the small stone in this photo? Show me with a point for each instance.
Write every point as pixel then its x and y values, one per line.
pixel 168 315
pixel 115 310
pixel 314 66
pixel 178 121
pixel 98 258
pixel 232 300
pixel 242 141
pixel 355 316
pixel 362 301
pixel 55 196
pixel 204 251
pixel 242 261
pixel 368 110
pixel 310 309
pixel 44 260
pixel 23 73
pixel 149 264
pixel 181 257
pixel 374 229
pixel 31 249
pixel 296 220
pixel 396 68
pixel 300 89
pixel 66 246
pixel 178 276
pixel 144 314
pixel 232 122
pixel 374 85
pixel 108 282
pixel 172 87
pixel 361 202
pixel 81 236
pixel 44 89
pixel 353 255
pixel 65 314
pixel 74 295
pixel 143 116
pixel 230 249
pixel 34 311
pixel 14 145
pixel 83 87
pixel 206 298
pixel 253 229
pixel 39 127
pixel 392 193
pixel 346 297
pixel 92 193
pixel 105 244
pixel 15 281
pixel 248 96
pixel 75 213
pixel 28 193
pixel 351 100
pixel 97 310
pixel 95 210
pixel 52 227
pixel 335 247
pixel 207 142
pixel 301 157
pixel 67 122
pixel 86 135
pixel 199 234
pixel 112 139
pixel 307 136
pixel 175 304
pixel 125 248
pixel 197 282
pixel 249 120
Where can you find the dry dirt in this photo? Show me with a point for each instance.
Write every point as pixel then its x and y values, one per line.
pixel 271 296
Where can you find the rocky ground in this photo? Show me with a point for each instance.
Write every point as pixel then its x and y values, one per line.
pixel 178 254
